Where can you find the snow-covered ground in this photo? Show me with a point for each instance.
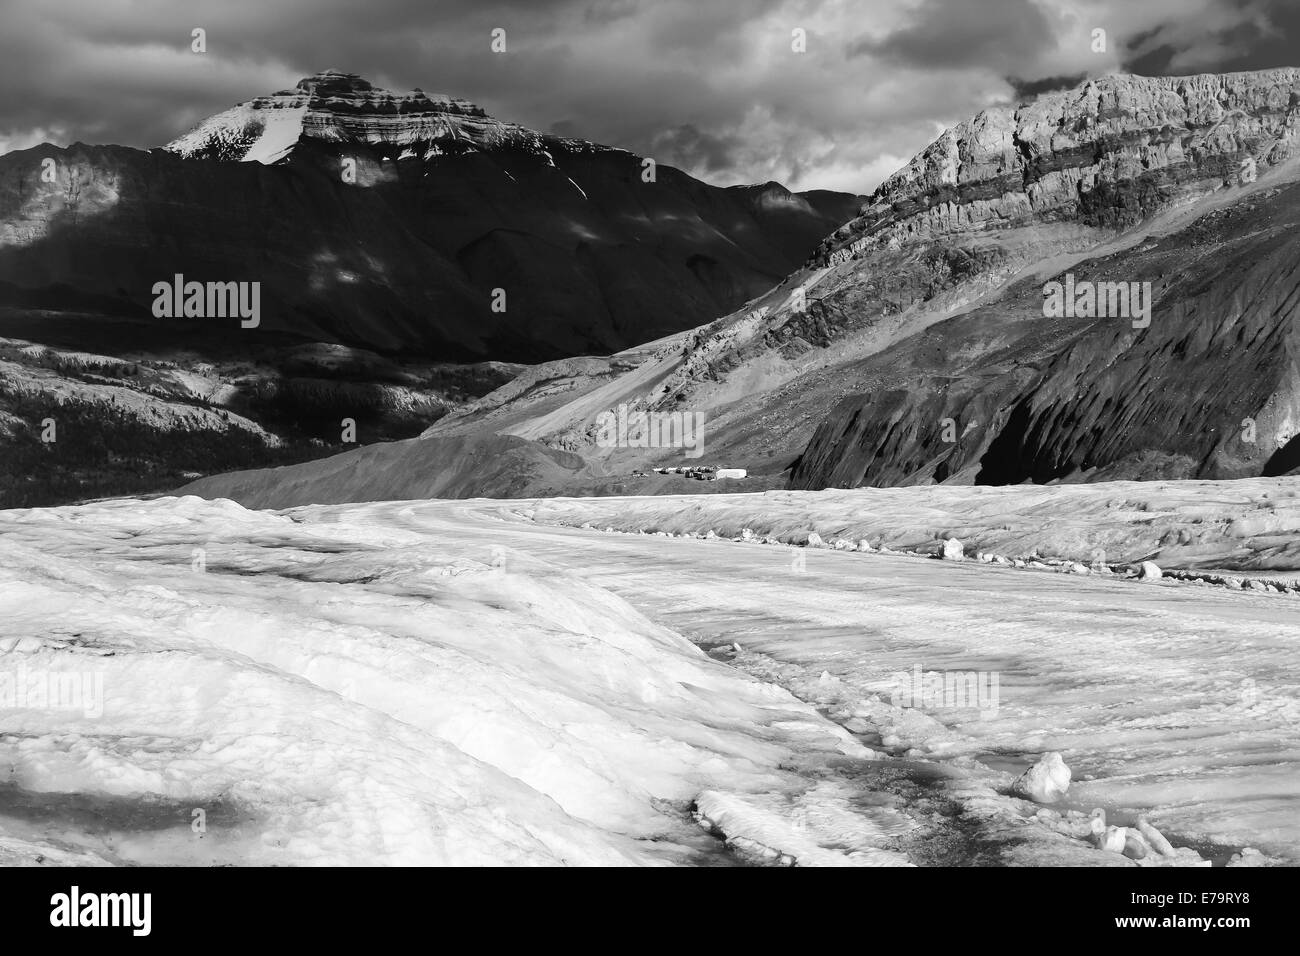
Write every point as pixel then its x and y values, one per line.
pixel 1246 525
pixel 470 681
pixel 330 688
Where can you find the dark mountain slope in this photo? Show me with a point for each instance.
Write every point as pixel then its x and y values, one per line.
pixel 390 230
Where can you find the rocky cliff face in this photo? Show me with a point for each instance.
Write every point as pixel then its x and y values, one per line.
pixel 1183 183
pixel 925 312
pixel 1107 154
pixel 1065 176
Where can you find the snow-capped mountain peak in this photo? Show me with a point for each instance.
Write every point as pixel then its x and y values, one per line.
pixel 336 107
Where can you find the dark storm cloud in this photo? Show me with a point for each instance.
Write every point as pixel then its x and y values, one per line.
pixel 1152 61
pixel 45 46
pixel 1264 35
pixel 952 34
pixel 713 86
pixel 697 149
pixel 1026 90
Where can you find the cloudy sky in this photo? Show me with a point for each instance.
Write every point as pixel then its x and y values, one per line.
pixel 712 86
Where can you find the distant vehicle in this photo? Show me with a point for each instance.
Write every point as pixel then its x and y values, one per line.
pixel 704 472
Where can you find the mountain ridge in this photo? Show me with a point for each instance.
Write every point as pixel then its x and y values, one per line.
pixel 337 107
pixel 1059 155
pixel 389 221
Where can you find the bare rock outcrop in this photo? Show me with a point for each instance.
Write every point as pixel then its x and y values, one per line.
pixel 1107 153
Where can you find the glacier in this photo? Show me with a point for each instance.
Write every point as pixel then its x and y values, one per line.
pixel 484 682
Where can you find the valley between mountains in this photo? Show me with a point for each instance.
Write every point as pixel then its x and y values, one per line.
pixel 912 347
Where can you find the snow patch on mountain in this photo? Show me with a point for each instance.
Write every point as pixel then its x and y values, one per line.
pixel 343 108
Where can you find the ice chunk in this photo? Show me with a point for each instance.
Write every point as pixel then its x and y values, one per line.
pixel 1154 838
pixel 1044 782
